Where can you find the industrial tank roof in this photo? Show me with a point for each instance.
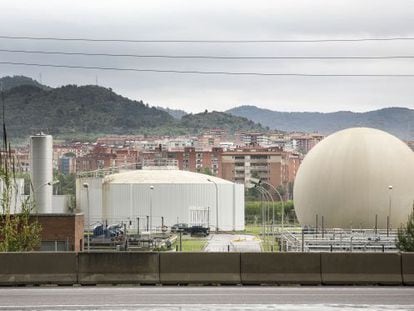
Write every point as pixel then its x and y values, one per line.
pixel 162 177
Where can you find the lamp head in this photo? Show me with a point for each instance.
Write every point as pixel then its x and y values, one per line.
pixel 255 181
pixel 249 185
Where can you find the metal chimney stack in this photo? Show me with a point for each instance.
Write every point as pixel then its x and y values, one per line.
pixel 41 170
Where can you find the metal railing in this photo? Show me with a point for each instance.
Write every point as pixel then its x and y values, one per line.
pixel 312 240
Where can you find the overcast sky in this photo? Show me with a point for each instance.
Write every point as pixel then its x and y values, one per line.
pixel 221 20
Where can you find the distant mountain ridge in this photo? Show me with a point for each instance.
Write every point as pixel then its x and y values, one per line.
pixel 7 82
pixel 76 109
pixel 73 111
pixel 397 121
pixel 215 119
pixel 175 113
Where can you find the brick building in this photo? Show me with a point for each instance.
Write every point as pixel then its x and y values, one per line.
pixel 60 232
pixel 305 142
pixel 254 139
pixel 201 161
pixel 268 164
pixel 66 165
pixel 126 158
pixel 95 161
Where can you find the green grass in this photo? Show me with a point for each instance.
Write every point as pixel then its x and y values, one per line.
pixel 253 230
pixel 190 244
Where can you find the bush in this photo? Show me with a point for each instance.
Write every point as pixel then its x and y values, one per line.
pixel 253 212
pixel 405 241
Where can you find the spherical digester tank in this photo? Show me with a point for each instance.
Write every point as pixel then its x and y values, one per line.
pixel 356 178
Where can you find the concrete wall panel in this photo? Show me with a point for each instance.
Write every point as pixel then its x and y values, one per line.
pixel 37 268
pixel 407 261
pixel 361 268
pixel 200 268
pixel 280 268
pixel 117 268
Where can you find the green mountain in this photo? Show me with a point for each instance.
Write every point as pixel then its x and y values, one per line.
pixel 7 83
pixel 71 109
pixel 215 119
pixel 88 111
pixel 397 121
pixel 175 113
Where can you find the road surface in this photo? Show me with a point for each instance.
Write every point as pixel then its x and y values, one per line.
pixel 232 243
pixel 207 298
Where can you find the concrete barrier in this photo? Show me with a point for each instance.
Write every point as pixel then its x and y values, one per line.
pixel 280 268
pixel 68 268
pixel 200 268
pixel 361 268
pixel 407 261
pixel 118 268
pixel 38 268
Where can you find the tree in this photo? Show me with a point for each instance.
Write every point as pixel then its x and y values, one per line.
pixel 207 171
pixel 18 231
pixel 66 185
pixel 281 190
pixel 405 241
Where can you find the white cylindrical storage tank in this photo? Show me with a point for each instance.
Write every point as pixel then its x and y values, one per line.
pixel 162 197
pixel 41 170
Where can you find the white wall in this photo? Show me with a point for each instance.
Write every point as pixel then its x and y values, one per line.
pixel 94 191
pixel 122 202
pixel 60 204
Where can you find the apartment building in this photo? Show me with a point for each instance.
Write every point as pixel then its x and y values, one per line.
pixel 254 139
pixel 67 165
pixel 305 142
pixel 268 164
pixel 195 160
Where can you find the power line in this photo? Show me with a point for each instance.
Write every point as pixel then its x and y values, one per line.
pixel 208 41
pixel 207 56
pixel 206 72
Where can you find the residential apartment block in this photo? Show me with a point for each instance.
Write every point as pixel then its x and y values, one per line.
pixel 267 164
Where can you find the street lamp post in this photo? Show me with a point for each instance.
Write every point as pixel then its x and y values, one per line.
pixel 49 183
pixel 268 196
pixel 281 200
pixel 263 213
pixel 86 186
pixel 137 227
pixel 217 217
pixel 150 216
pixel 389 209
pixel 258 182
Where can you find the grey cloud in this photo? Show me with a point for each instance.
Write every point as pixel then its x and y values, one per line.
pixel 222 20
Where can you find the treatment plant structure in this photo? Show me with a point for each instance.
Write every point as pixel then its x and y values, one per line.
pixel 155 198
pixel 356 178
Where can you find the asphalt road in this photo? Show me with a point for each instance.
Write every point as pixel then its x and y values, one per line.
pixel 207 298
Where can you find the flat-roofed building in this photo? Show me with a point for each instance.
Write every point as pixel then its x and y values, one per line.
pixel 268 164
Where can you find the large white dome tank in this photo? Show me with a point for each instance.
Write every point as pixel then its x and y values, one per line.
pixel 353 177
